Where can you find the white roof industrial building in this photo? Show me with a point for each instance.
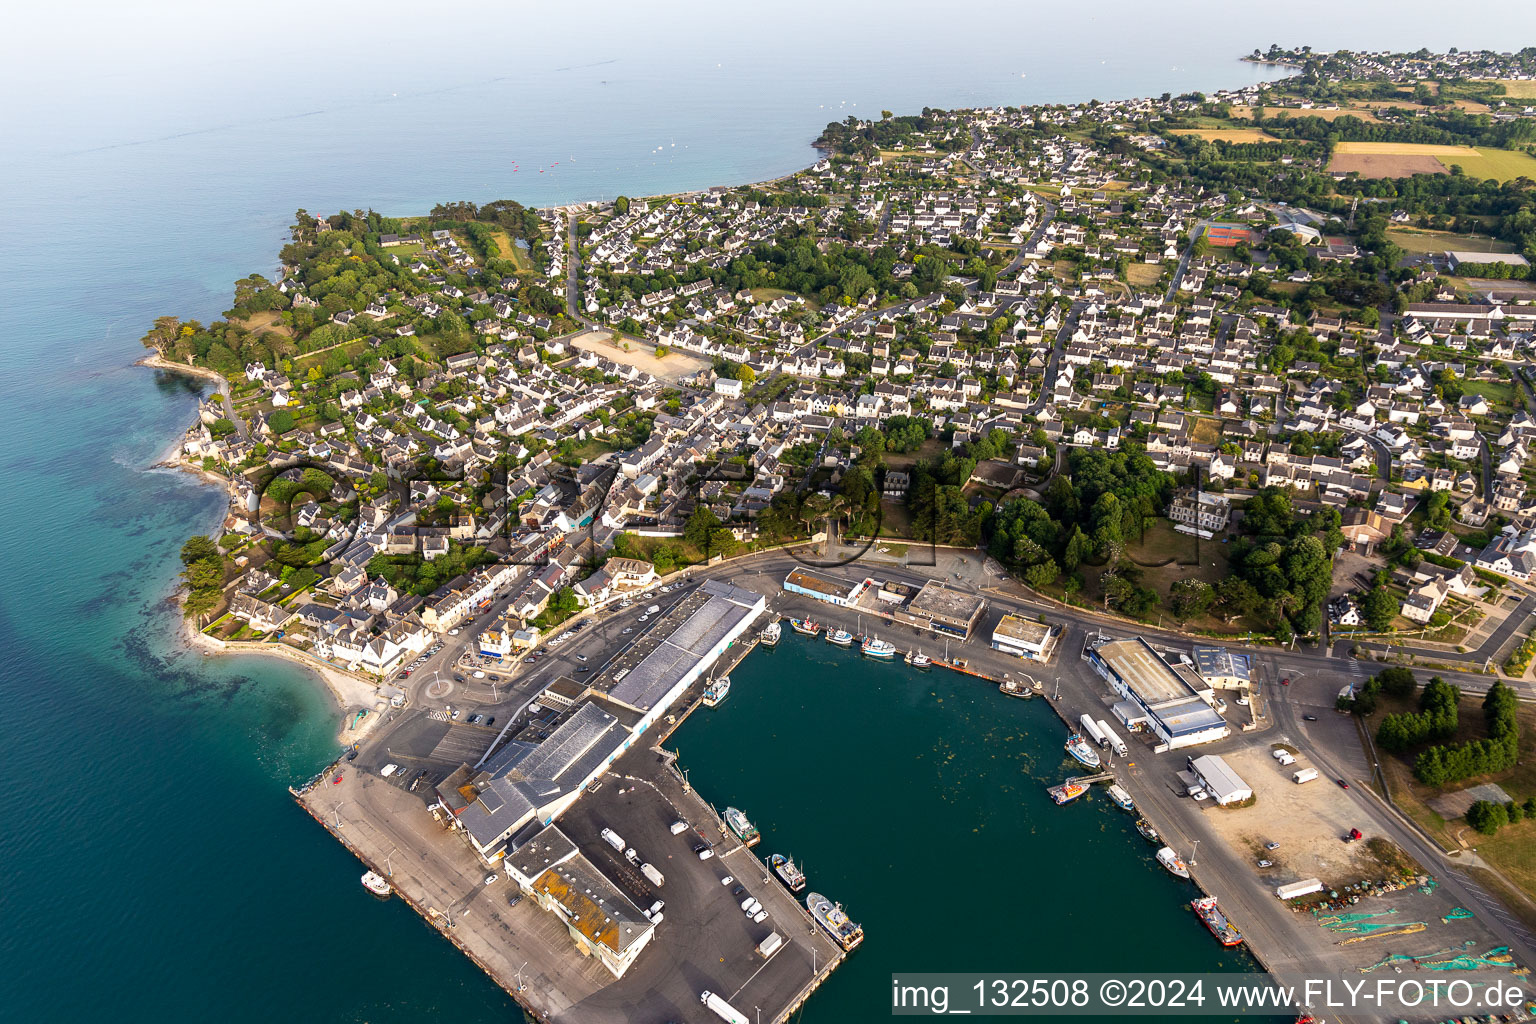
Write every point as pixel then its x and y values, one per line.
pixel 1224 784
pixel 1176 703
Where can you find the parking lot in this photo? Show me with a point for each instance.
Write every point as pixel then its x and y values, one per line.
pixel 705 939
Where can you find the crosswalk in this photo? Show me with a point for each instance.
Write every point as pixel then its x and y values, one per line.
pixel 438 716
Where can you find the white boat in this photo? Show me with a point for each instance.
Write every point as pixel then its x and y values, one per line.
pixel 1173 862
pixel 376 884
pixel 1121 798
pixel 877 648
pixel 716 691
pixel 1082 751
pixel 840 637
pixel 770 634
pixel 917 659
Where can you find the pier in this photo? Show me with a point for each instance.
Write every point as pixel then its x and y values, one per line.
pixel 704 941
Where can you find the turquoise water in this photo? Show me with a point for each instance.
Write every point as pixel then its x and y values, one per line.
pixel 917 799
pixel 154 867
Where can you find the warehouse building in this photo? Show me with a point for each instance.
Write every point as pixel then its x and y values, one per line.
pixel 678 649
pixel 943 611
pixel 1176 703
pixel 824 588
pixel 1223 669
pixel 1023 638
pixel 1220 781
pixel 601 919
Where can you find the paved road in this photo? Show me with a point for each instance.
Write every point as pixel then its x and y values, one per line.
pixel 1287 941
pixel 1047 214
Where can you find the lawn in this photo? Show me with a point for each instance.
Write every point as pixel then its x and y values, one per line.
pixel 1422 240
pixel 1144 275
pixel 769 294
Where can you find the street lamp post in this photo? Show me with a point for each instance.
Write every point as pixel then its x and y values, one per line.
pixel 1192 853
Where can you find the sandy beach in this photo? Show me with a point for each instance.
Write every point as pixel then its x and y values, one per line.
pixel 350 692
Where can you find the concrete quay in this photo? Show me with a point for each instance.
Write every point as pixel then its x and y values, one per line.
pixel 704 941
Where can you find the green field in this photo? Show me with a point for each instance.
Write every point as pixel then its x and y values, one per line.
pixel 1422 240
pixel 1503 164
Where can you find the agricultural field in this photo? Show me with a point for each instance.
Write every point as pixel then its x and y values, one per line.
pixel 1516 89
pixel 1327 115
pixel 1401 159
pixel 1229 134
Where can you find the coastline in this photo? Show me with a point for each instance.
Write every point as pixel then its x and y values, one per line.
pixel 157 361
pixel 349 693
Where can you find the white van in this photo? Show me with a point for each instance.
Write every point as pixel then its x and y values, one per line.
pixel 389 770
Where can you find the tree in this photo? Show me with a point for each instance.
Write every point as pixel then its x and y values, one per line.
pixel 1379 608
pixel 281 421
pixel 1190 597
pixel 1041 574
pixel 700 527
pixel 621 205
pixel 1487 816
pixel 197 548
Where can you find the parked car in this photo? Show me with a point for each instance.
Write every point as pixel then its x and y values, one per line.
pixel 489 879
pixel 728 879
pixel 514 899
pixel 1309 718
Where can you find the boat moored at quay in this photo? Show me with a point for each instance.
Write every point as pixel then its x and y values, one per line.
pixel 1225 931
pixel 716 692
pixel 805 627
pixel 788 871
pixel 1014 688
pixel 874 647
pixel 831 917
pixel 1067 792
pixel 840 637
pixel 1082 751
pixel 770 634
pixel 742 826
pixel 1173 862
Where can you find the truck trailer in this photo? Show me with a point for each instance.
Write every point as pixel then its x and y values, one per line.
pixel 723 1009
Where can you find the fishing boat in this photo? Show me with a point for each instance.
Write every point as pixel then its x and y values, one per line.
pixel 917 659
pixel 789 873
pixel 744 829
pixel 831 917
pixel 1014 688
pixel 805 626
pixel 1067 792
pixel 1082 751
pixel 840 637
pixel 1122 799
pixel 1147 831
pixel 376 884
pixel 1225 931
pixel 877 648
pixel 1173 862
pixel 770 634
pixel 716 692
